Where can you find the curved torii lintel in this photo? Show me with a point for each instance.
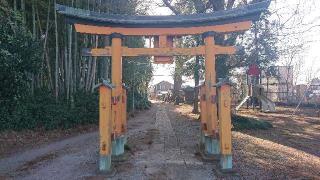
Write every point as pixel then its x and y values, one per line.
pixel 238 19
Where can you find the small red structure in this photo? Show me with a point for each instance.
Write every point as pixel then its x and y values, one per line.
pixel 254 70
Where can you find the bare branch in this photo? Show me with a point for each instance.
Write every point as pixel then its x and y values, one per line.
pixel 230 4
pixel 168 4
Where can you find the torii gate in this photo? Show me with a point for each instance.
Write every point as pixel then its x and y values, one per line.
pixel 215 98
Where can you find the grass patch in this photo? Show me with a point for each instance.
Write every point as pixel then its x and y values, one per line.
pixel 247 123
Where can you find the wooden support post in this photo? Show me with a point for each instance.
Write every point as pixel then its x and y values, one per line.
pixel 224 112
pixel 116 78
pixel 105 127
pixel 124 109
pixel 203 115
pixel 124 116
pixel 203 111
pixel 210 81
pixel 212 144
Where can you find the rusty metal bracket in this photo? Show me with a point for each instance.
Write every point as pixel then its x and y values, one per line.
pixel 115 100
pixel 224 81
pixel 213 99
pixel 204 126
pixel 203 97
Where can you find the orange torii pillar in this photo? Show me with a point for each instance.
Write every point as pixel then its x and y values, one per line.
pixel 211 134
pixel 105 126
pixel 224 112
pixel 116 78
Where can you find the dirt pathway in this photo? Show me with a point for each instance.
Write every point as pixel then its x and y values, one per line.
pixel 157 153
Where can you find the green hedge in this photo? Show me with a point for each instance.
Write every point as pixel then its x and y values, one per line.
pixel 246 123
pixel 42 111
pixel 141 101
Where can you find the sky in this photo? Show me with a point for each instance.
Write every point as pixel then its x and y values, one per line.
pixel 310 56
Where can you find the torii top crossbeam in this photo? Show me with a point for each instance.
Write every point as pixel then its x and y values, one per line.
pixel 238 19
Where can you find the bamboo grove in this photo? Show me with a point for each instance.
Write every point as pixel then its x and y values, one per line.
pixel 63 80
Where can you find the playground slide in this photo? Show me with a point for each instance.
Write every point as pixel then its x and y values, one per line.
pixel 242 102
pixel 266 104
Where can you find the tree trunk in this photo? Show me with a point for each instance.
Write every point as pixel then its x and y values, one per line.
pixel 177 81
pixel 23 8
pixel 15 5
pixel 46 55
pixel 82 65
pixel 69 64
pixel 70 61
pixel 88 73
pixel 61 76
pixel 34 37
pixel 196 86
pixel 105 61
pixel 176 88
pixel 75 70
pixel 66 70
pixel 94 69
pixel 34 19
pixel 57 55
pixel 87 79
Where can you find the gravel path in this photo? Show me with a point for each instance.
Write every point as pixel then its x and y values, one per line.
pixel 159 154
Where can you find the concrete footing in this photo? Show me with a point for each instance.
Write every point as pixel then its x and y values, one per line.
pixel 212 146
pixel 105 163
pixel 118 145
pixel 202 138
pixel 125 139
pixel 226 162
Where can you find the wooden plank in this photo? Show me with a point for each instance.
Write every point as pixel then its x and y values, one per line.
pixel 116 79
pixel 124 110
pixel 203 110
pixel 224 28
pixel 105 122
pixel 224 101
pixel 96 51
pixel 159 51
pixel 163 51
pixel 210 90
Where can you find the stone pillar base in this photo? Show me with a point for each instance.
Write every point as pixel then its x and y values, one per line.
pixel 118 145
pixel 125 139
pixel 212 146
pixel 105 163
pixel 226 162
pixel 202 138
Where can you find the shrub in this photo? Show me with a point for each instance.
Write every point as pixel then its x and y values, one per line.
pixel 42 111
pixel 246 123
